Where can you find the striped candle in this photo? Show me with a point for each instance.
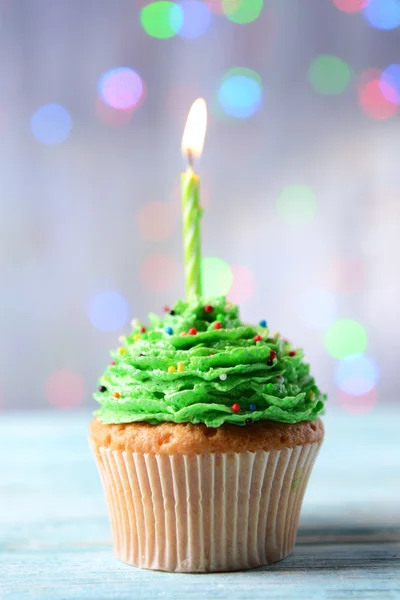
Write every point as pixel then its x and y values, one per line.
pixel 190 183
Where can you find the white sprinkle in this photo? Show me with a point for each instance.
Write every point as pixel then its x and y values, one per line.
pixel 223 376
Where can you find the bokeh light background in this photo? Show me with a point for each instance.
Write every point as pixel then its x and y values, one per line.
pixel 300 182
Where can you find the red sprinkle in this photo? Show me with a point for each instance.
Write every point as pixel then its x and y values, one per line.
pixel 272 354
pixel 166 309
pixel 236 407
pixel 217 325
pixel 208 308
pixel 112 362
pixel 192 331
pixel 257 338
pixel 292 353
pixel 142 329
pixel 117 395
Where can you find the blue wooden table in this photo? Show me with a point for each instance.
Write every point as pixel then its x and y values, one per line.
pixel 55 538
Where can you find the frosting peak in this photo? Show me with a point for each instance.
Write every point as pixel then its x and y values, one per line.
pixel 200 364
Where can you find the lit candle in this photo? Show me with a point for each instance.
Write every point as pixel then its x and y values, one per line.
pixel 192 147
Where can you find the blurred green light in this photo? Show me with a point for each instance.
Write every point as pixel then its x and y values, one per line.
pixel 329 75
pixel 162 19
pixel 345 338
pixel 217 277
pixel 297 204
pixel 242 11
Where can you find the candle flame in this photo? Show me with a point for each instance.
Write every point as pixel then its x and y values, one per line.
pixel 195 130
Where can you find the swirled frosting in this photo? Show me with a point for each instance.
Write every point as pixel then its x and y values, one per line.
pixel 201 364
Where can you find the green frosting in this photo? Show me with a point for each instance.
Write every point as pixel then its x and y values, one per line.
pixel 216 368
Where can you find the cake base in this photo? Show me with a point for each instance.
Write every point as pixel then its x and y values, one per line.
pixel 207 512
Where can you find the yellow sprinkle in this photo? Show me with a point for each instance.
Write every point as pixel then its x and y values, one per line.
pixel 136 337
pixel 171 369
pixel 311 395
pixel 104 378
pixel 122 350
pixel 181 367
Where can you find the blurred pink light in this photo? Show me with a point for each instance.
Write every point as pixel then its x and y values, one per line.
pixel 358 405
pixel 345 274
pixel 366 76
pixel 373 99
pixel 156 221
pixel 216 6
pixel 112 116
pixel 159 273
pixel 243 286
pixel 65 389
pixel 121 88
pixel 350 6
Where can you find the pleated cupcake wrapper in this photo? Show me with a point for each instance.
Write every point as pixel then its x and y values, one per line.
pixel 205 512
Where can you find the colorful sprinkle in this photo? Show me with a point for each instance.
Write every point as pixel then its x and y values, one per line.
pixel 236 407
pixel 112 362
pixel 257 338
pixel 292 353
pixel 311 395
pixel 102 388
pixel 117 395
pixel 223 376
pixel 272 354
pixel 252 407
pixel 122 350
pixel 217 325
pixel 270 362
pixel 249 422
pixel 143 330
pixel 166 309
pixel 136 337
pixel 183 333
pixel 192 331
pixel 172 312
pixel 141 354
pixel 219 317
pixel 211 354
pixel 104 378
pixel 208 308
pixel 171 369
pixel 181 367
pixel 169 330
pixel 263 323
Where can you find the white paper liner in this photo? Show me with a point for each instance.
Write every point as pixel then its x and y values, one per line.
pixel 205 512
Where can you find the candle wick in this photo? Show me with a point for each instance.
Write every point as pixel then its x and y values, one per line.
pixel 190 157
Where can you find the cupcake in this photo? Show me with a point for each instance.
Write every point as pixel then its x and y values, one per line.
pixel 205 438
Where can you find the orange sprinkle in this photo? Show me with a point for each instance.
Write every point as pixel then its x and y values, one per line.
pixel 117 395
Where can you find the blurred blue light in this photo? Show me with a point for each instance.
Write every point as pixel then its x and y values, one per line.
pixel 51 124
pixel 357 375
pixel 240 96
pixel 383 14
pixel 108 311
pixel 121 88
pixel 196 19
pixel 316 307
pixel 390 79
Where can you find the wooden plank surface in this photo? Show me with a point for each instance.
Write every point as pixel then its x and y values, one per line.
pixel 55 538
